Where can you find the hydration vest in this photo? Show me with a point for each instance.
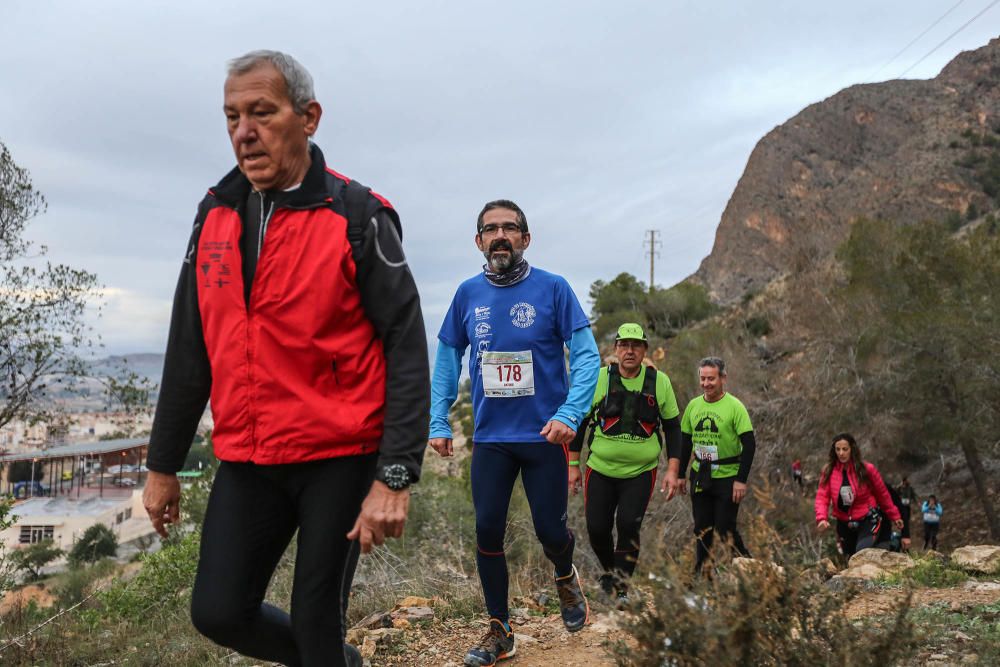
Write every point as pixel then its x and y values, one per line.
pixel 625 412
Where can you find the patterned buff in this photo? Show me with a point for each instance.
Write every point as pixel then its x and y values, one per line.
pixel 511 276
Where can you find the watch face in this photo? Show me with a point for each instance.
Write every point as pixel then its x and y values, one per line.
pixel 396 476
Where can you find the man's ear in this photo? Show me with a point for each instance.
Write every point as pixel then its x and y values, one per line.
pixel 310 118
pixel 479 242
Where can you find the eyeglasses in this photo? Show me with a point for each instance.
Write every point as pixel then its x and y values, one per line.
pixel 630 344
pixel 507 227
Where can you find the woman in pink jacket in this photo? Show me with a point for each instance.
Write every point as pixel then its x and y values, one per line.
pixel 859 496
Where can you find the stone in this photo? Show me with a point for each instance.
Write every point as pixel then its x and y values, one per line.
pixel 866 571
pixel 380 619
pixel 890 562
pixel 982 585
pixel 414 601
pixel 826 568
pixel 412 614
pixel 983 559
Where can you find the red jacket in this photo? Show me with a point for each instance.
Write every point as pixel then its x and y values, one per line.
pixel 867 496
pixel 324 355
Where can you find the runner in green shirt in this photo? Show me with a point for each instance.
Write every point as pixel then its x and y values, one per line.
pixel 632 405
pixel 717 428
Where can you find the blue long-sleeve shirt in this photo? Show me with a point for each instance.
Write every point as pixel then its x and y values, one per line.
pixel 584 366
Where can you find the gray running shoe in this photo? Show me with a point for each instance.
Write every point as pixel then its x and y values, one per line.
pixel 497 644
pixel 572 602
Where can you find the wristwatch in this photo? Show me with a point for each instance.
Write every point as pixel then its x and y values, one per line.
pixel 396 476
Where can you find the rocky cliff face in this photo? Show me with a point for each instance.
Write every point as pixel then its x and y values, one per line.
pixel 886 150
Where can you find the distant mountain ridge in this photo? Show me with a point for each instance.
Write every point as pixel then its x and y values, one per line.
pixel 885 150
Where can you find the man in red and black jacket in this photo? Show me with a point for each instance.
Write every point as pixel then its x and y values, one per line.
pixel 296 314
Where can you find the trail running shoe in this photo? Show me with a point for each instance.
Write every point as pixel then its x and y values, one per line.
pixel 607 583
pixel 572 602
pixel 622 601
pixel 496 644
pixel 352 656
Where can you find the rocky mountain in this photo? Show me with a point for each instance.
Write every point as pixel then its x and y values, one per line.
pixel 890 150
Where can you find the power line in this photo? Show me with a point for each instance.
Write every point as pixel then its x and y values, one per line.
pixel 948 38
pixel 915 40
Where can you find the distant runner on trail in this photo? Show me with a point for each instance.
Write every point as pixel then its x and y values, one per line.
pixel 797 472
pixel 860 498
pixel 632 404
pixel 908 499
pixel 932 511
pixel 716 426
pixel 518 321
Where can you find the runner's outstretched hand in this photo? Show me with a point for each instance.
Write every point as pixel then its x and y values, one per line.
pixel 574 479
pixel 442 446
pixel 383 514
pixel 162 500
pixel 739 491
pixel 672 485
pixel 558 433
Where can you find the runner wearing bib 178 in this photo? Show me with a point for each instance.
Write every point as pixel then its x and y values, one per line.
pixel 631 404
pixel 716 426
pixel 517 320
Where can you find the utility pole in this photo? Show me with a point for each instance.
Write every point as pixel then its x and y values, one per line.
pixel 653 252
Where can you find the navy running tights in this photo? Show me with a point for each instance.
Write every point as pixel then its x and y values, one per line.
pixel 253 512
pixel 495 467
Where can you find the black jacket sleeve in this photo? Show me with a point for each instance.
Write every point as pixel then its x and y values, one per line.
pixel 187 375
pixel 389 297
pixel 687 446
pixel 746 458
pixel 581 434
pixel 672 436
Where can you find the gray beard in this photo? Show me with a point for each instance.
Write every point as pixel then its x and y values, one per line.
pixel 502 263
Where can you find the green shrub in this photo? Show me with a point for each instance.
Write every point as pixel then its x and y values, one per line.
pixel 32 558
pixel 757 614
pixel 76 583
pixel 97 542
pixel 758 326
pixel 931 573
pixel 163 583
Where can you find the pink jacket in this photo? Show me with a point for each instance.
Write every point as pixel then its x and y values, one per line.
pixel 871 494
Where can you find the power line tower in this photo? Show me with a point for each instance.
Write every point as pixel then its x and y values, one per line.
pixel 653 244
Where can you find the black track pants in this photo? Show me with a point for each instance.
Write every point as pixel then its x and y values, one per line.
pixel 605 499
pixel 253 511
pixel 715 514
pixel 930 535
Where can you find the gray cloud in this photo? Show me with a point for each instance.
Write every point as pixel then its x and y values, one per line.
pixel 601 121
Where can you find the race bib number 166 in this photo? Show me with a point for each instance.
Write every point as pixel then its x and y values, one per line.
pixel 508 374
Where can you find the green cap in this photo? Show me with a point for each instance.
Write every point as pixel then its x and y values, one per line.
pixel 631 331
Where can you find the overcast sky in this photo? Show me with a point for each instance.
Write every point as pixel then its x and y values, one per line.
pixel 601 119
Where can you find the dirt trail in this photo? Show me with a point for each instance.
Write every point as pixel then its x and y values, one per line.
pixel 969 594
pixel 541 641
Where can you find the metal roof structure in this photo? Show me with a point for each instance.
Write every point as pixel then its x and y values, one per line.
pixel 75 449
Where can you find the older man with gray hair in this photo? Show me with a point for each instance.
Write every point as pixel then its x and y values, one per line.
pixel 297 315
pixel 716 428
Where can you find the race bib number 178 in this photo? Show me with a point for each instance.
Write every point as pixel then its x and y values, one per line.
pixel 508 374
